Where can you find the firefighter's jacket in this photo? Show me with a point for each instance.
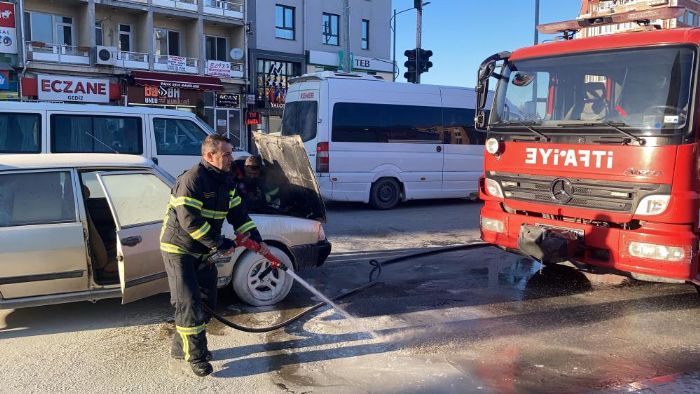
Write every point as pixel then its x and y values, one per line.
pixel 201 199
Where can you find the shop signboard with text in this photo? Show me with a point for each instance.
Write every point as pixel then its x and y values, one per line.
pixel 177 63
pixel 8 28
pixel 69 88
pixel 163 95
pixel 217 68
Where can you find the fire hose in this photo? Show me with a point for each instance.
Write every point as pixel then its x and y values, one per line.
pixel 374 274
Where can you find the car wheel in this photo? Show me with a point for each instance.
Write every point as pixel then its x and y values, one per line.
pixel 384 194
pixel 261 292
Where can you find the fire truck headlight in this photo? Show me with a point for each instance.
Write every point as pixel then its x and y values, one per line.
pixel 493 146
pixel 652 205
pixel 494 188
pixel 492 225
pixel 656 252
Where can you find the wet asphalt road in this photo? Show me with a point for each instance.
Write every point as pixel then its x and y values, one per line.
pixel 477 320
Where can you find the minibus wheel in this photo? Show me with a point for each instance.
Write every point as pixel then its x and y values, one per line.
pixel 385 193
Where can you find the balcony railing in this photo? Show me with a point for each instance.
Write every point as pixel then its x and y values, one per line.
pixel 179 64
pixel 190 5
pixel 223 8
pixel 57 53
pixel 217 68
pixel 134 60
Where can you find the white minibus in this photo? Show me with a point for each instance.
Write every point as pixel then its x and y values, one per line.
pixel 382 142
pixel 170 138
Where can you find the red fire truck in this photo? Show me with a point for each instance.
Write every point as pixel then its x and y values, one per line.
pixel 592 152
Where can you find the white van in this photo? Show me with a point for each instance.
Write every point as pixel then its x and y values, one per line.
pixel 172 139
pixel 381 142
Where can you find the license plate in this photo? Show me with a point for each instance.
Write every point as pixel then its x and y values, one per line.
pixel 578 232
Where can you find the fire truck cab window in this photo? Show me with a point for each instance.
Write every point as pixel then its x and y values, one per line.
pixel 647 89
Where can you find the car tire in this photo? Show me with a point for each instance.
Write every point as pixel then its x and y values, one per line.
pixel 269 291
pixel 385 193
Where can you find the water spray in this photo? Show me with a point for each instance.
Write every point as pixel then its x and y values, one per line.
pixel 275 263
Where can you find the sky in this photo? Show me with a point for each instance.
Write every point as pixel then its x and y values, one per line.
pixel 462 33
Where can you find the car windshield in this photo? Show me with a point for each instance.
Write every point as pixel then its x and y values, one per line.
pixel 300 119
pixel 643 89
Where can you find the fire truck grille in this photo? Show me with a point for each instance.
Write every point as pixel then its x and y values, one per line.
pixel 576 192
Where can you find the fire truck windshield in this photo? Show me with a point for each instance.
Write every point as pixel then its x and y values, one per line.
pixel 645 90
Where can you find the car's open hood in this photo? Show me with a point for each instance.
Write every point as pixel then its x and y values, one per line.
pixel 287 163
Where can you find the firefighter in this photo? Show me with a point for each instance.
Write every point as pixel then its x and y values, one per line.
pixel 256 186
pixel 201 199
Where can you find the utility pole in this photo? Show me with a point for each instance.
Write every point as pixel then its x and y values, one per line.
pixel 346 32
pixel 419 23
pixel 537 20
pixel 393 71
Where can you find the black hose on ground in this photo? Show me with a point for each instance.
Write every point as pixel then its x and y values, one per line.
pixel 373 280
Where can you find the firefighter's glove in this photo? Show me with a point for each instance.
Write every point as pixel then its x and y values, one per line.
pixel 225 245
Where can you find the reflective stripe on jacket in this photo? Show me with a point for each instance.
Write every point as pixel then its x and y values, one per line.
pixel 201 199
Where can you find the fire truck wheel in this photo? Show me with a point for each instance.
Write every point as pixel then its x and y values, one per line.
pixel 385 193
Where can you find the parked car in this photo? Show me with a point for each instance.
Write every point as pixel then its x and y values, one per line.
pixel 77 227
pixel 170 138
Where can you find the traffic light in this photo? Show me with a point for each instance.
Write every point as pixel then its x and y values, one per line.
pixel 424 62
pixel 411 74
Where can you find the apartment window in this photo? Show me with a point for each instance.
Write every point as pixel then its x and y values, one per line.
pixel 52 29
pixel 125 38
pixel 331 23
pixel 365 34
pixel 215 48
pixel 167 42
pixel 284 22
pixel 99 36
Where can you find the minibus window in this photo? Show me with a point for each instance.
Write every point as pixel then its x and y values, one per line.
pixel 363 122
pixel 20 133
pixel 300 119
pixel 178 137
pixel 96 134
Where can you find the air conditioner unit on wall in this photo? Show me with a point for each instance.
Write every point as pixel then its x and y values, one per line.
pixel 106 55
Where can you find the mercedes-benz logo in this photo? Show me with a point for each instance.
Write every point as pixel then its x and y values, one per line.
pixel 562 190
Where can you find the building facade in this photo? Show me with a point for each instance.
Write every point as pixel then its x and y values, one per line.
pixel 289 38
pixel 594 8
pixel 183 54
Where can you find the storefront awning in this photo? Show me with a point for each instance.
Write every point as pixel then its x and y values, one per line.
pixel 143 78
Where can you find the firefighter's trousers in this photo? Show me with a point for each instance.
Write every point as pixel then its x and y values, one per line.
pixel 192 281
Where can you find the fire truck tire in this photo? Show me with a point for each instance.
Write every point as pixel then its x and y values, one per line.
pixel 385 193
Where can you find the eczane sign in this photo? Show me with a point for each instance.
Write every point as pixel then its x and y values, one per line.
pixel 65 88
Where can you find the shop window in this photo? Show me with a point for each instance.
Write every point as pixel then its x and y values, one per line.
pixel 178 137
pixel 284 22
pixel 99 134
pixel 20 133
pixel 331 27
pixel 273 81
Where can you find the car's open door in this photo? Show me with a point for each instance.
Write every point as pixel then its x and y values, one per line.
pixel 137 200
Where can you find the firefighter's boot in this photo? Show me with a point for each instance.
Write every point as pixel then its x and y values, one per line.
pixel 202 368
